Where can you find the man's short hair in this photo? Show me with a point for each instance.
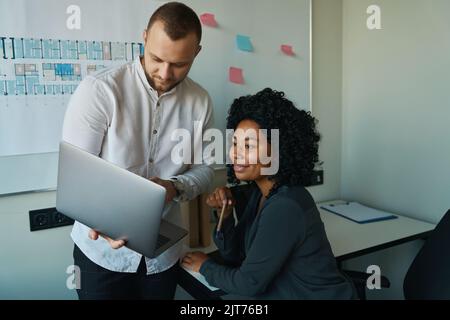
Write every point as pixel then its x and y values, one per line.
pixel 179 20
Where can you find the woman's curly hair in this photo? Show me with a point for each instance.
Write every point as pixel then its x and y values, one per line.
pixel 298 138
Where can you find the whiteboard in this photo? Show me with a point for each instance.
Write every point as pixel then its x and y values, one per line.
pixel 30 125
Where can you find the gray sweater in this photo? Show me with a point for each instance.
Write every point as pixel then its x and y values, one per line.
pixel 280 253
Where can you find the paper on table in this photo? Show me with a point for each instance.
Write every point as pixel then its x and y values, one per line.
pixel 201 278
pixel 357 212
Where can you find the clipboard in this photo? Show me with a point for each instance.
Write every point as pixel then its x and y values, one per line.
pixel 358 213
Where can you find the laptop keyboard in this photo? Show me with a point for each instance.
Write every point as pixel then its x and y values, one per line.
pixel 162 240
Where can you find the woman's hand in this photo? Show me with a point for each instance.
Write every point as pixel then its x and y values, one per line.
pixel 219 198
pixel 115 244
pixel 194 260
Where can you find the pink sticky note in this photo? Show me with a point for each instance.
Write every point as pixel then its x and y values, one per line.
pixel 208 19
pixel 236 75
pixel 287 49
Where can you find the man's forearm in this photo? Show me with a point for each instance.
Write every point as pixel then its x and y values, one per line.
pixel 193 182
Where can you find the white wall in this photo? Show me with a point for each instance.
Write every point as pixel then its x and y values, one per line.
pixel 327 92
pixel 396 146
pixel 396 99
pixel 33 264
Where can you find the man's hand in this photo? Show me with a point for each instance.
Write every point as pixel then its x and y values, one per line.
pixel 171 192
pixel 115 244
pixel 194 260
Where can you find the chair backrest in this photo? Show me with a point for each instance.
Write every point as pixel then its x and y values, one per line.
pixel 428 276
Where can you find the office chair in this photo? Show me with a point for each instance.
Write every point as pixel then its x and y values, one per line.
pixel 428 277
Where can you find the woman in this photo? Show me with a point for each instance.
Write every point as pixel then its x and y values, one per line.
pixel 278 249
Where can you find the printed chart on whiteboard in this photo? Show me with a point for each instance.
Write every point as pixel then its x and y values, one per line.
pixel 42 62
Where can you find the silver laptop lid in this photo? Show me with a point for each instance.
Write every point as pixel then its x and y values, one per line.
pixel 107 198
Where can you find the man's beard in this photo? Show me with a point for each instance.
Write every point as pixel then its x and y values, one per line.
pixel 153 85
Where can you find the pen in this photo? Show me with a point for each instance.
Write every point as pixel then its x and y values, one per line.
pixel 219 225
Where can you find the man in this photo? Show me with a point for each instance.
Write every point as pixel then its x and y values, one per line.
pixel 126 115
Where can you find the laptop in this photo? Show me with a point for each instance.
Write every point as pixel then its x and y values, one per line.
pixel 114 201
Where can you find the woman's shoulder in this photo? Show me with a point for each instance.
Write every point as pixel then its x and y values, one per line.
pixel 289 207
pixel 295 196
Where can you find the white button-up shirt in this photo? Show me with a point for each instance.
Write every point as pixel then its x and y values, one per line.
pixel 118 116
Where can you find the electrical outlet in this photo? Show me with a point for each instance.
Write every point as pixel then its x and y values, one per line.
pixel 60 220
pixel 47 218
